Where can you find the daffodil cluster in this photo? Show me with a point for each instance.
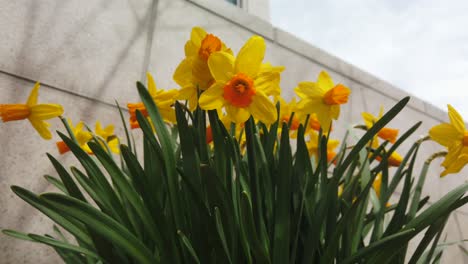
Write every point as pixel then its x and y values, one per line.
pixel 240 86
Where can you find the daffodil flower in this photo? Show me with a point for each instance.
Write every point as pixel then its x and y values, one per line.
pixel 34 112
pixel 394 160
pixel 164 100
pixel 82 137
pixel 108 135
pixel 454 137
pixel 385 133
pixel 313 146
pixel 286 110
pixel 322 98
pixel 240 85
pixel 193 73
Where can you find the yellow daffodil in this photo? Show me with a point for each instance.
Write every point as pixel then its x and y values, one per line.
pixel 394 160
pixel 323 98
pixel 108 135
pixel 164 100
pixel 240 85
pixel 453 136
pixel 286 110
pixel 193 73
pixel 313 146
pixel 314 123
pixel 34 112
pixel 82 138
pixel 385 133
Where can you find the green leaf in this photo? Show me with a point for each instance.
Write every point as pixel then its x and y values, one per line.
pixel 57 243
pixel 219 227
pixel 282 205
pixel 101 224
pixel 126 189
pixel 168 154
pixel 397 238
pixel 56 182
pixel 69 224
pixel 67 180
pixel 372 132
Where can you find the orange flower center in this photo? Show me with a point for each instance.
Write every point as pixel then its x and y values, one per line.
pixel 294 123
pixel 337 95
pixel 389 134
pixel 62 147
pixel 132 108
pixel 12 112
pixel 239 90
pixel 465 139
pixel 209 45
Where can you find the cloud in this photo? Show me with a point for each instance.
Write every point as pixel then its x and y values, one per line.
pixel 419 46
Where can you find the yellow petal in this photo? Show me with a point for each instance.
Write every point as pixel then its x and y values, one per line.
pixel 453 153
pixel 309 90
pixel 455 119
pixel 213 97
pixel 197 35
pixel 32 99
pixel 114 145
pixel 381 112
pixel 83 137
pixel 268 83
pixel 250 56
pixel 201 74
pixel 335 111
pixel 445 134
pixel 456 166
pixel 262 108
pixel 221 66
pixel 183 74
pixel 46 111
pixel 190 49
pixel 41 127
pixel 168 115
pixel 323 116
pixel 332 144
pixel 325 81
pixel 369 119
pixel 237 115
pixel 151 84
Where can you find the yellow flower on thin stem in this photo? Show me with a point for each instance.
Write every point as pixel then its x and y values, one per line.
pixel 240 85
pixel 34 112
pixel 454 137
pixel 286 110
pixel 193 73
pixel 313 146
pixel 385 133
pixel 108 135
pixel 164 100
pixel 322 98
pixel 82 138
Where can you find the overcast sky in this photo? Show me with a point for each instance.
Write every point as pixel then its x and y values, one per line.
pixel 421 46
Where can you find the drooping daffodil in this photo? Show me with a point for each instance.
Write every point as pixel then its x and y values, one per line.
pixel 34 112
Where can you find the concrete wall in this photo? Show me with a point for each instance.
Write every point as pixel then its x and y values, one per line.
pixel 88 55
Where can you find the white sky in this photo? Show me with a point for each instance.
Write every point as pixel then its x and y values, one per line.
pixel 421 46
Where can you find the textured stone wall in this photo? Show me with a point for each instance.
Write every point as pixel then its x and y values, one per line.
pixel 87 55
